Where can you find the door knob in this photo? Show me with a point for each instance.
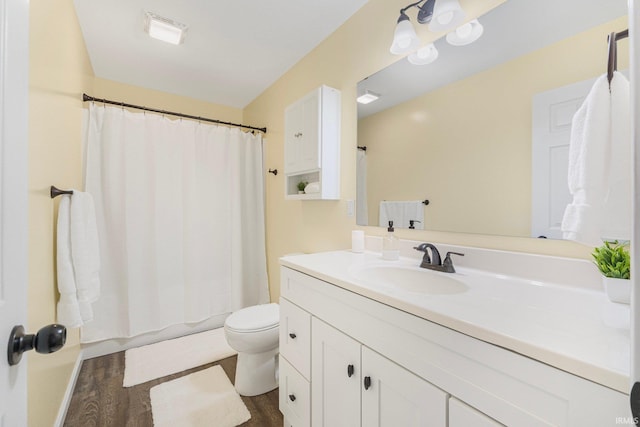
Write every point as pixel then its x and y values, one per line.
pixel 48 339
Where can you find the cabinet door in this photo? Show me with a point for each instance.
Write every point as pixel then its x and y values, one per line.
pixel 310 138
pixel 302 134
pixel 463 415
pixel 335 387
pixel 396 397
pixel 293 119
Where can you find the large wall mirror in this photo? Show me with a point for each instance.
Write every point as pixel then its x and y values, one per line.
pixel 468 131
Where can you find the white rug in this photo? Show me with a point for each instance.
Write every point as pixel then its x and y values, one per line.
pixel 158 360
pixel 204 398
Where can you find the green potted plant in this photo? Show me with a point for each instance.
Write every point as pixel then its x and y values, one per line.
pixel 614 262
pixel 301 186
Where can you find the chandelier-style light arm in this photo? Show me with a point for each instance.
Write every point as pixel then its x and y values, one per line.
pixel 404 9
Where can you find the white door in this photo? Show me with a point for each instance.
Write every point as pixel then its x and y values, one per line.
pixel 14 72
pixel 394 396
pixel 335 389
pixel 552 114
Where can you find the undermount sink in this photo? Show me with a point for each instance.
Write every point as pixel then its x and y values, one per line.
pixel 409 278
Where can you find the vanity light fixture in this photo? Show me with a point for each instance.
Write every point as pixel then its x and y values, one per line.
pixel 164 29
pixel 447 15
pixel 465 34
pixel 405 38
pixel 424 55
pixel 441 15
pixel 367 97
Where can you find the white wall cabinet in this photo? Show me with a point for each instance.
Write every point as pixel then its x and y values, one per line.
pixel 312 144
pixel 420 373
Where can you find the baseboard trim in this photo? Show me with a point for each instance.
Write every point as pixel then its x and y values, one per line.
pixel 68 394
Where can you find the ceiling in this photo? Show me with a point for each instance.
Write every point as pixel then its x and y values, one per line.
pixel 232 52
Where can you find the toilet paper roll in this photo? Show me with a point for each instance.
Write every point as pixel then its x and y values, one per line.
pixel 357 241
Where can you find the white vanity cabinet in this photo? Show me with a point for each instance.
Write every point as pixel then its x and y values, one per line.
pixel 419 372
pixel 312 144
pixel 353 385
pixel 461 415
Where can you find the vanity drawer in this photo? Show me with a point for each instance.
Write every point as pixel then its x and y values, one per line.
pixel 295 336
pixel 294 396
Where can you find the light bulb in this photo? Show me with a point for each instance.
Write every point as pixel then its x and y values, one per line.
pixel 464 31
pixel 424 55
pixel 445 18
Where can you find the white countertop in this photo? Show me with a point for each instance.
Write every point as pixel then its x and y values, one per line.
pixel 576 330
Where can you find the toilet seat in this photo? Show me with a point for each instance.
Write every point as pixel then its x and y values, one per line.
pixel 256 318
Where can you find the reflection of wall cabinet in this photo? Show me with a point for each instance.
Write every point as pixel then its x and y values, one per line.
pixel 312 144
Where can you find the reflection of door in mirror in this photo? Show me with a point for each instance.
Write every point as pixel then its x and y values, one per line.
pixel 552 114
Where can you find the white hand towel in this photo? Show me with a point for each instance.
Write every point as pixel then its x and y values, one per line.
pixel 593 156
pixel 401 212
pixel 68 311
pixel 617 209
pixel 84 251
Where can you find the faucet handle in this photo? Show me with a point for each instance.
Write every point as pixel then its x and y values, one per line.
pixel 426 259
pixel 448 264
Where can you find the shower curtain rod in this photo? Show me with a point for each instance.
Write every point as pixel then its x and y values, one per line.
pixel 86 98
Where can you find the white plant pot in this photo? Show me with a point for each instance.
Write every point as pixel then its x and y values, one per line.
pixel 618 290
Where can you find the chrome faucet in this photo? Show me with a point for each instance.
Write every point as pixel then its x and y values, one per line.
pixel 432 262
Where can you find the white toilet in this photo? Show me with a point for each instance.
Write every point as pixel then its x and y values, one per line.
pixel 253 333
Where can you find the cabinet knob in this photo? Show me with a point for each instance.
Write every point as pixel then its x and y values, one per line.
pixel 293 336
pixel 292 397
pixel 350 370
pixel 367 383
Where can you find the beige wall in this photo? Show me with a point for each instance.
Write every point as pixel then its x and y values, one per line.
pixel 358 49
pixel 163 101
pixel 467 146
pixel 59 72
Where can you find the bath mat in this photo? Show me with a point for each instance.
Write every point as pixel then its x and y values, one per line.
pixel 158 360
pixel 204 398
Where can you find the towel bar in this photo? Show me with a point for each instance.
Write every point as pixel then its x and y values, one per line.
pixel 55 192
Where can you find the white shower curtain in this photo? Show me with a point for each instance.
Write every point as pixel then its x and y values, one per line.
pixel 180 213
pixel 362 210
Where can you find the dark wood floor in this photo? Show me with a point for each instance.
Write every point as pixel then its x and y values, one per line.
pixel 100 400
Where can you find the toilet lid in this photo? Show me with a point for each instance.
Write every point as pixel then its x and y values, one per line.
pixel 254 318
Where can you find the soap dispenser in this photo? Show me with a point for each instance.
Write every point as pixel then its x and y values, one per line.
pixel 390 245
